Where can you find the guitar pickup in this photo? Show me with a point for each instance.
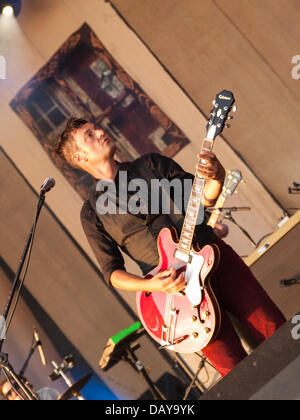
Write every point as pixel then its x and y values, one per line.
pixel 179 255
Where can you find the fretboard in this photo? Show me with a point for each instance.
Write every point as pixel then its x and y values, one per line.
pixel 195 208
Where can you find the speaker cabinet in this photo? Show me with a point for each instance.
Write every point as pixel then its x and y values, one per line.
pixel 277 259
pixel 270 372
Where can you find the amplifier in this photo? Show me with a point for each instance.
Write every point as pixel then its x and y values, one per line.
pixel 270 372
pixel 276 265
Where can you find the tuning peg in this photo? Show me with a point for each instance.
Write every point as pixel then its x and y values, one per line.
pixel 234 108
pixel 214 102
pixel 230 117
pixel 227 125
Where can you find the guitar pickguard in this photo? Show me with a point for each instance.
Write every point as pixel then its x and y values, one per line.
pixel 193 289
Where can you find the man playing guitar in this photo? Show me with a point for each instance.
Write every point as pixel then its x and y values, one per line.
pixel 90 149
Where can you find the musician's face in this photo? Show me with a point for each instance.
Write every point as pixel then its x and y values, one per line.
pixel 95 146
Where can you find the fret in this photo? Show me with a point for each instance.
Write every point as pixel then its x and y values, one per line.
pixel 197 192
pixel 199 181
pixel 193 206
pixel 187 236
pixel 208 144
pixel 191 213
pixel 188 229
pixel 185 247
pixel 190 223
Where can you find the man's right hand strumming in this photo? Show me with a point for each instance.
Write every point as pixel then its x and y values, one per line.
pixel 166 281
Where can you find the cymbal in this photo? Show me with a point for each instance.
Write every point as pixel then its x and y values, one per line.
pixel 74 390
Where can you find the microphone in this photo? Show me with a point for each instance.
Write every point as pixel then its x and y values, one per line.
pixel 47 186
pixel 39 346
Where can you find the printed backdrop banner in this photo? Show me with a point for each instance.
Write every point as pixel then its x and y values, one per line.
pixel 82 79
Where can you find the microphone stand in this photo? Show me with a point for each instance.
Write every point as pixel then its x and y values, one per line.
pixel 31 353
pixel 4 362
pixel 228 216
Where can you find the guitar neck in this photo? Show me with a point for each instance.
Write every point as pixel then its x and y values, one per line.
pixel 195 208
pixel 216 213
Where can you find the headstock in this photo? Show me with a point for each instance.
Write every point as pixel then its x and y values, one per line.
pixel 232 181
pixel 223 104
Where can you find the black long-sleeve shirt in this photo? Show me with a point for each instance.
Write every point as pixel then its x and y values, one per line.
pixel 136 234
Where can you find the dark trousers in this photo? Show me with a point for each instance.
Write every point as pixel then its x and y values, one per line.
pixel 239 293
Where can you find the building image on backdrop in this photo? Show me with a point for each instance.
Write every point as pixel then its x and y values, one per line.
pixel 145 72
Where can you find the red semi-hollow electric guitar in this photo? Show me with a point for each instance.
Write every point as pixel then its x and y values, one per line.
pixel 187 322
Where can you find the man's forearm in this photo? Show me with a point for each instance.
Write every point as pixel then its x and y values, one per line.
pixel 126 281
pixel 212 190
pixel 210 168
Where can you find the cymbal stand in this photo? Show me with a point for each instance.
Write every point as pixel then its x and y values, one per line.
pixel 130 357
pixel 60 371
pixel 192 384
